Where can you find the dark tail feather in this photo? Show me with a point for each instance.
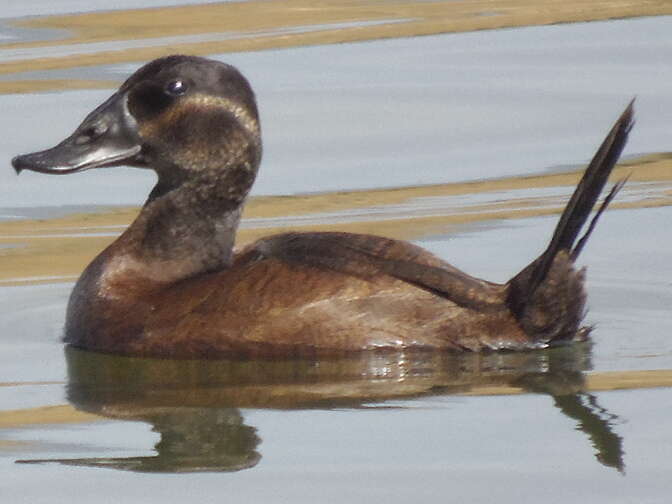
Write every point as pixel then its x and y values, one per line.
pixel 584 239
pixel 576 213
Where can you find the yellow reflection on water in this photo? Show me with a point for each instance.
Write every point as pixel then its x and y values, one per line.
pixel 57 250
pixel 138 35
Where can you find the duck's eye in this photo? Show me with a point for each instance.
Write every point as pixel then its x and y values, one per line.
pixel 176 88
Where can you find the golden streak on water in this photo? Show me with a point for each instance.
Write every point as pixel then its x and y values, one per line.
pixel 268 24
pixel 57 250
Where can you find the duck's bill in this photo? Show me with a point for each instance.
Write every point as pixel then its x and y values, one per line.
pixel 107 137
pixel 63 159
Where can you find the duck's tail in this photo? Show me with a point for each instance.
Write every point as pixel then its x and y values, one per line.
pixel 547 297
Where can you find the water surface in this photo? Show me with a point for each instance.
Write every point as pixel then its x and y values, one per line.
pixel 584 423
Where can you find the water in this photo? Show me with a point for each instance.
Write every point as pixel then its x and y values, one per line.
pixel 577 424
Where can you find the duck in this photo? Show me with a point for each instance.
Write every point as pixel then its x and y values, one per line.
pixel 174 285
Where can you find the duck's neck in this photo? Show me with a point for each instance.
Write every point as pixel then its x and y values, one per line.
pixel 186 230
pixel 180 233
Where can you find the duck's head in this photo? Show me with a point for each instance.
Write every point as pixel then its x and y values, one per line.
pixel 183 116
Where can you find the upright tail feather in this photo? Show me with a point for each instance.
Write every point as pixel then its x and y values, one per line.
pixel 524 286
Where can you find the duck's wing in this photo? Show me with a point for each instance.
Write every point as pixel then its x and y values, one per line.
pixel 368 256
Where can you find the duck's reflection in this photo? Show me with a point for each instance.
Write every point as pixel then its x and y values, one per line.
pixel 194 405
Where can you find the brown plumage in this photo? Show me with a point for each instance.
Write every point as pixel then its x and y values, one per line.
pixel 171 285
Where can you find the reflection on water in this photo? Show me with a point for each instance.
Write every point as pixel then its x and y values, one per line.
pixel 194 405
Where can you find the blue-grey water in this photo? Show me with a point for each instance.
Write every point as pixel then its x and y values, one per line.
pixel 377 114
